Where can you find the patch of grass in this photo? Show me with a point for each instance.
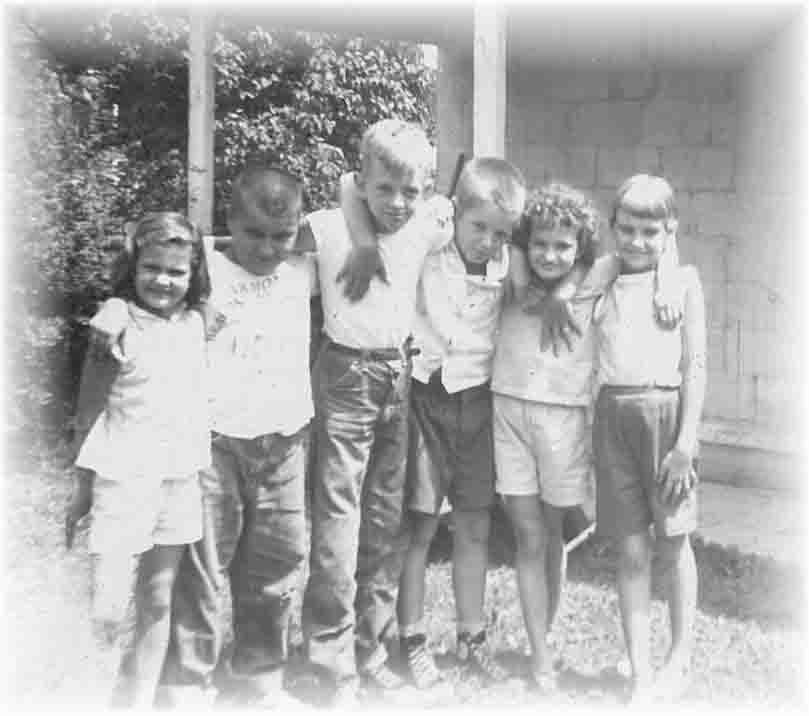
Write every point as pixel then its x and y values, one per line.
pixel 749 635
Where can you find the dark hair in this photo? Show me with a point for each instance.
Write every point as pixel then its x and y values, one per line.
pixel 558 205
pixel 269 187
pixel 162 228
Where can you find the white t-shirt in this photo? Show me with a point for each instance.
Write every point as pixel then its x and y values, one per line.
pixel 633 348
pixel 383 318
pixel 259 360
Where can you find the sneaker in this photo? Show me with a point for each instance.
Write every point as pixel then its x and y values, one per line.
pixel 420 661
pixel 473 651
pixel 383 679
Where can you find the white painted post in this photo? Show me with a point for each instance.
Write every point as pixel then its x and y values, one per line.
pixel 490 79
pixel 200 118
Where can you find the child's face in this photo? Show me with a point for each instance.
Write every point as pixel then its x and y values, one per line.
pixel 640 241
pixel 392 195
pixel 482 231
pixel 553 251
pixel 261 241
pixel 162 277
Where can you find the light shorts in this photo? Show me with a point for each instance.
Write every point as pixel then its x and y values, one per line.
pixel 542 449
pixel 132 518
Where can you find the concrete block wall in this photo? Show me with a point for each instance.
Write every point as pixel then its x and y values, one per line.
pixel 594 128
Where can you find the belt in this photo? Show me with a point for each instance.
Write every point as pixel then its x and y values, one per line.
pixel 642 388
pixel 384 354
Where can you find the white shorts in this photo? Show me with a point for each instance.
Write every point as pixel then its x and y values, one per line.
pixel 542 449
pixel 130 517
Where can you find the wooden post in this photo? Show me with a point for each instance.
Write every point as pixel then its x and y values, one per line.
pixel 490 79
pixel 200 118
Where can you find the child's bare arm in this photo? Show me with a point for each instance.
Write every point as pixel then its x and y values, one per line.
pixel 107 328
pixel 364 261
pixel 668 298
pixel 81 500
pixel 677 475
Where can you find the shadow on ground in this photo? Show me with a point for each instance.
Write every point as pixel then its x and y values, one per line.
pixel 732 583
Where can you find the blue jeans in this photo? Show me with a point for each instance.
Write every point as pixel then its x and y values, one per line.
pixel 358 536
pixel 254 536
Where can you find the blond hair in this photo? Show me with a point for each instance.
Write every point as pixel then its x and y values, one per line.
pixel 494 180
pixel 399 146
pixel 648 197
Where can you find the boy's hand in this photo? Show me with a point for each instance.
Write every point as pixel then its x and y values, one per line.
pixel 81 500
pixel 361 265
pixel 558 324
pixel 676 478
pixel 668 307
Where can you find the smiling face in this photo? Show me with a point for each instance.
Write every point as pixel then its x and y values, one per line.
pixel 552 252
pixel 640 240
pixel 392 194
pixel 162 276
pixel 482 231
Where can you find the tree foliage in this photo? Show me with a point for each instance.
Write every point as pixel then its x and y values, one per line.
pixel 98 135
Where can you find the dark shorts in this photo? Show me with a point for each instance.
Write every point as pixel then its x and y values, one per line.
pixel 633 431
pixel 451 451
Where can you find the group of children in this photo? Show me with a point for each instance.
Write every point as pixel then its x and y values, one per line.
pixel 431 382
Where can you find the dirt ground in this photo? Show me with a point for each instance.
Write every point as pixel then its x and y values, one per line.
pixel 51 662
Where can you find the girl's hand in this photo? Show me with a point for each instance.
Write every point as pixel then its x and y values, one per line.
pixel 668 307
pixel 81 500
pixel 677 477
pixel 361 265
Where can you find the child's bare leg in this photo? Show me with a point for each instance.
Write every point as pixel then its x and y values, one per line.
pixel 634 596
pixel 470 557
pixel 677 556
pixel 556 558
pixel 410 603
pixel 156 576
pixel 531 535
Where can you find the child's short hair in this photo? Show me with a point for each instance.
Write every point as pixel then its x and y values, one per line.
pixel 558 205
pixel 163 228
pixel 646 196
pixel 399 146
pixel 268 188
pixel 491 179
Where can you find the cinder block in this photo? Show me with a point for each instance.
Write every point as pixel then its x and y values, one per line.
pixel 574 85
pixel 774 356
pixel 715 306
pixel 678 163
pixel 663 121
pixel 633 84
pixel 716 213
pixel 546 125
pixel 607 123
pixel 696 126
pixel 580 167
pixel 687 220
pixel 647 160
pixel 713 169
pixel 724 123
pixel 701 84
pixel 721 397
pixel 711 259
pixel 615 164
pixel 697 168
pixel 775 404
pixel 740 304
pixel 541 163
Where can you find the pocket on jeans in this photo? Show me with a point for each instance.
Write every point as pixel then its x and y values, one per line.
pixel 337 373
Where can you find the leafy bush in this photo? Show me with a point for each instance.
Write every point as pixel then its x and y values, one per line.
pixel 99 135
